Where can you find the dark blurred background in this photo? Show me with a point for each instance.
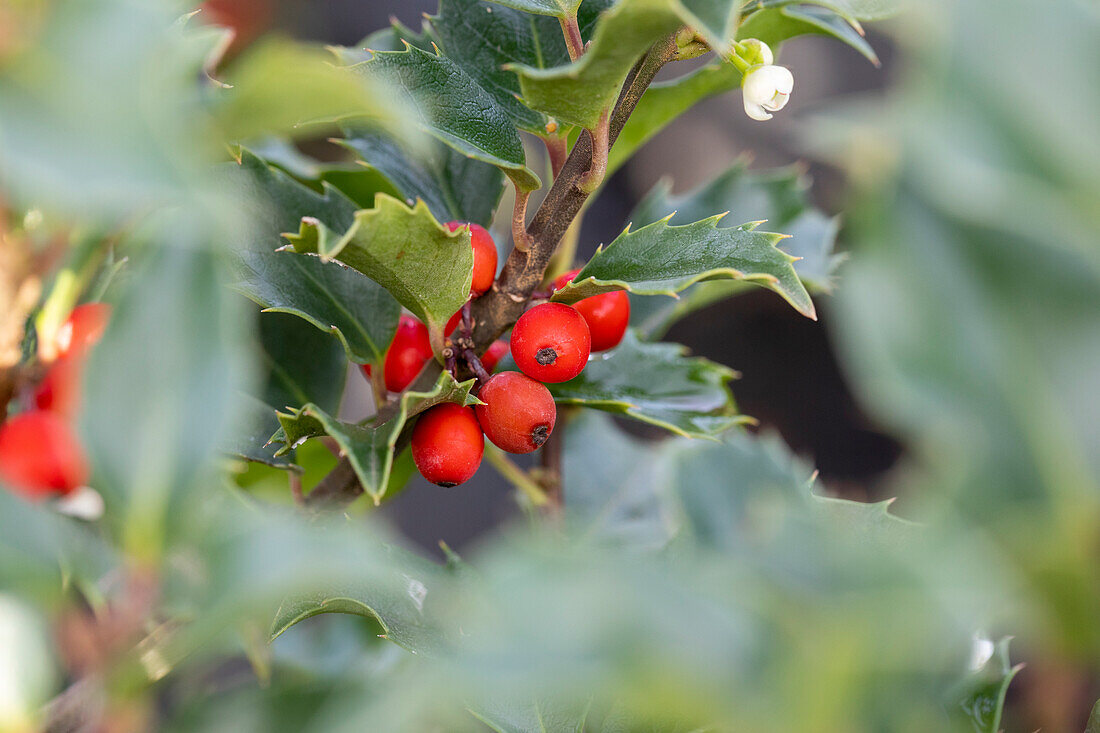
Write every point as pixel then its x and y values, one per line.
pixel 790 380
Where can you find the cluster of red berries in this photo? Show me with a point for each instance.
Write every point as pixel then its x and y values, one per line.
pixel 40 454
pixel 550 343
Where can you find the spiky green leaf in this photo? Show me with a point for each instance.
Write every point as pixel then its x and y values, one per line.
pixel 426 267
pixel 370 447
pixel 661 259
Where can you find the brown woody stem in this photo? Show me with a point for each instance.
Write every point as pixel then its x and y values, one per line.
pixel 601 144
pixel 520 238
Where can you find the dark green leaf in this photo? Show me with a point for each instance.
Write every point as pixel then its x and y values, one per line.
pixel 453 108
pixel 773 26
pixel 454 186
pixel 578 93
pixel 370 447
pixel 656 383
pixel 425 266
pixel 482 38
pixel 303 364
pixel 359 312
pixel 251 440
pixel 660 259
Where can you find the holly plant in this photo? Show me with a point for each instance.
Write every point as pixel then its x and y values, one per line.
pixel 250 287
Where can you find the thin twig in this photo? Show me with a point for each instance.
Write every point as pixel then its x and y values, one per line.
pixel 295 480
pixel 476 366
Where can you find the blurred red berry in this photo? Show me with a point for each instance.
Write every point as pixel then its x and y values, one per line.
pixel 485 256
pixel 40 455
pixel 447 444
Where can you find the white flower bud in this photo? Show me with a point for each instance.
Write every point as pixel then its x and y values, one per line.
pixel 766 88
pixel 757 52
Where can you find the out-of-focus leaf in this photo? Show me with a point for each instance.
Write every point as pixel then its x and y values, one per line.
pixel 534 715
pixel 450 106
pixel 482 38
pixel 778 196
pixel 359 312
pixel 579 92
pixel 71 137
pixel 775 25
pixel 370 447
pixel 425 266
pixel 658 384
pixel 42 553
pixel 284 87
pixel 661 259
pixel 175 334
pixel 1094 720
pixel 454 186
pixel 982 697
pixel 968 317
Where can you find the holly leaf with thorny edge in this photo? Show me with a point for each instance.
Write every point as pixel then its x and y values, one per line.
pixel 689 397
pixel 370 447
pixel 453 108
pixel 579 93
pixel 426 267
pixel 661 259
pixel 361 314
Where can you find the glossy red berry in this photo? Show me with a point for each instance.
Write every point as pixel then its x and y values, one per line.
pixel 519 413
pixel 82 329
pixel 494 354
pixel 59 390
pixel 485 256
pixel 447 444
pixel 551 343
pixel 40 455
pixel 607 314
pixel 408 353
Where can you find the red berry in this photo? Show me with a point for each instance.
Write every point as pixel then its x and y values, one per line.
pixel 494 354
pixel 447 444
pixel 607 314
pixel 485 256
pixel 40 455
pixel 408 353
pixel 519 413
pixel 452 323
pixel 83 328
pixel 551 343
pixel 59 390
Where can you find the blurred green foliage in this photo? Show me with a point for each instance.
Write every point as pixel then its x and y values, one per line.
pixel 692 584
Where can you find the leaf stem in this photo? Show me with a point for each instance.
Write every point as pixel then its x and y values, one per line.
pixel 557 148
pixel 516 475
pixel 571 29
